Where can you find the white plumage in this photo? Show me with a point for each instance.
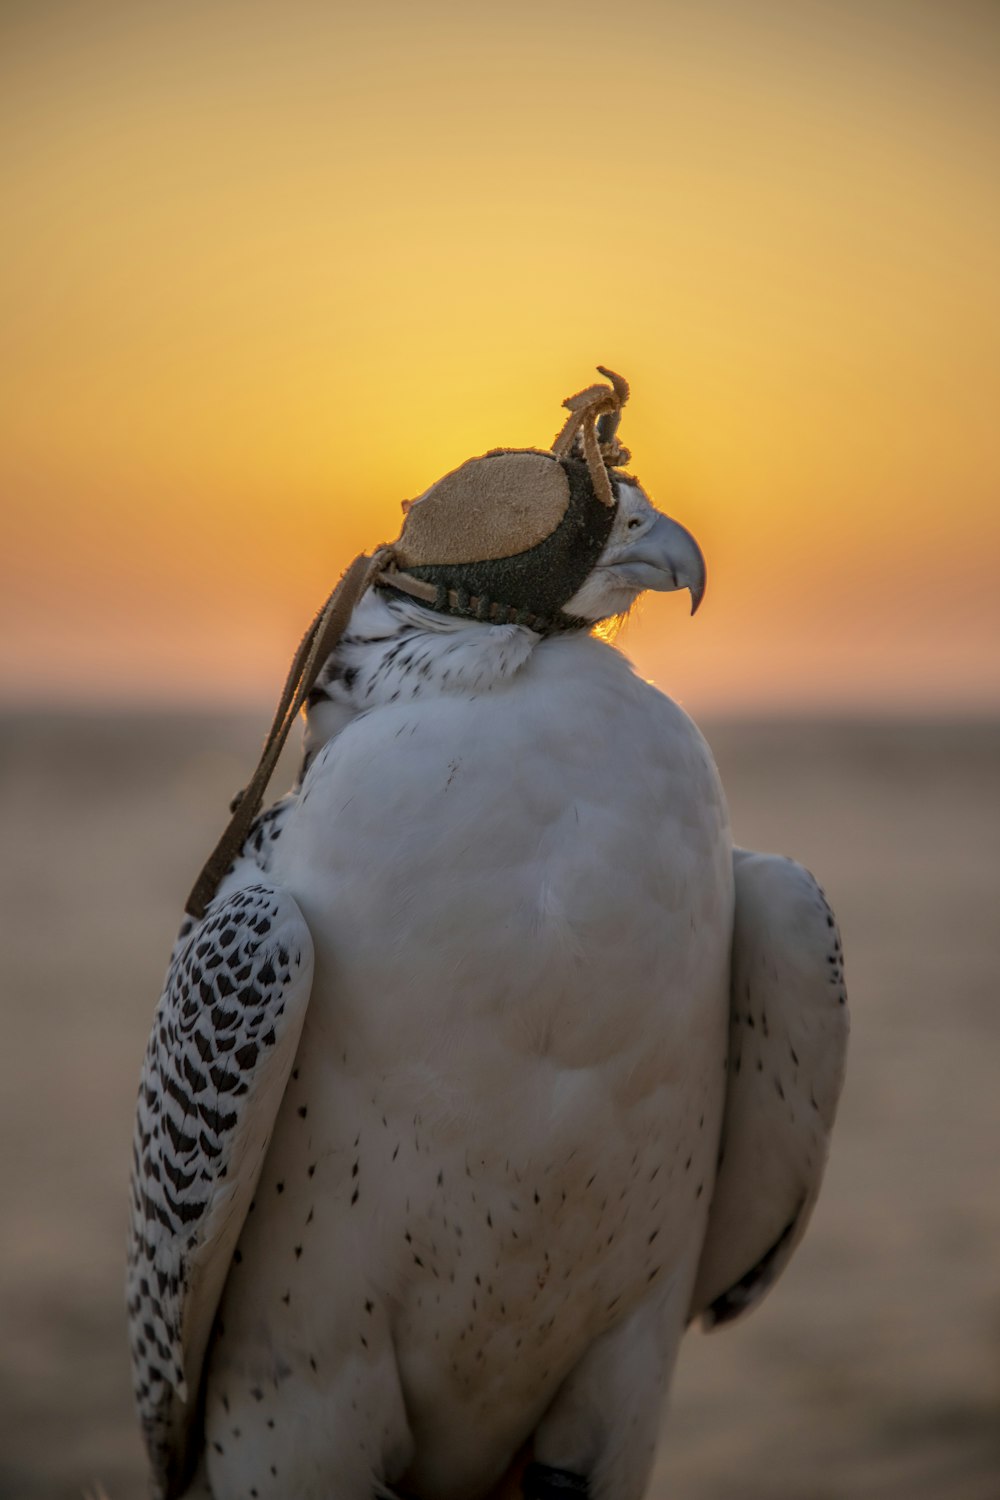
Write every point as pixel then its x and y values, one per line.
pixel 469 1202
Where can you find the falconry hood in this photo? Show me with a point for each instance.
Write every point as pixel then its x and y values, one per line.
pixel 507 538
pixel 510 537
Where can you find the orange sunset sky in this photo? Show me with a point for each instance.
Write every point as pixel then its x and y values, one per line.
pixel 269 268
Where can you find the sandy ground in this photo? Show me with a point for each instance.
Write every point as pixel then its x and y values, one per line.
pixel 874 1368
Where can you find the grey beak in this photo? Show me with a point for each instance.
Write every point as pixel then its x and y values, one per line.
pixel 666 558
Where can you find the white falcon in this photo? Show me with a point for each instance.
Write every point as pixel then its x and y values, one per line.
pixel 489 1064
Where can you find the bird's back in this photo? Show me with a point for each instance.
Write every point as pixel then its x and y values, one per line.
pixel 502 1124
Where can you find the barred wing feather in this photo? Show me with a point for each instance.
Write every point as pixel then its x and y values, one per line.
pixel 222 1046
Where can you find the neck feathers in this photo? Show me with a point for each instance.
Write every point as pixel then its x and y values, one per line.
pixel 395 651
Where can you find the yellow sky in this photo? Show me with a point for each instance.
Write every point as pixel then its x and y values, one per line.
pixel 269 268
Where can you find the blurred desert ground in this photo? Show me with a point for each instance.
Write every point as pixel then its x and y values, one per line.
pixel 874 1368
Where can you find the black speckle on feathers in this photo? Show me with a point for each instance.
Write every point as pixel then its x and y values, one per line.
pixel 222 990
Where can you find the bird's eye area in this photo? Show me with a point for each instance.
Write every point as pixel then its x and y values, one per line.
pixel 634 522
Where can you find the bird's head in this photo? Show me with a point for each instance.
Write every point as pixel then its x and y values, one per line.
pixel 645 550
pixel 553 539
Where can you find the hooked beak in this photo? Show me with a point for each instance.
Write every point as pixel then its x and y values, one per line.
pixel 665 558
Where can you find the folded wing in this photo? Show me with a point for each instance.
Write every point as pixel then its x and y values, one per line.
pixel 787 1048
pixel 223 1043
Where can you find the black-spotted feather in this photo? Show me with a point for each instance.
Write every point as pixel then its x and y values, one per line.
pixel 787 1053
pixel 223 1042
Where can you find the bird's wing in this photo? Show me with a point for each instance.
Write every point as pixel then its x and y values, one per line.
pixel 223 1043
pixel 787 1047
